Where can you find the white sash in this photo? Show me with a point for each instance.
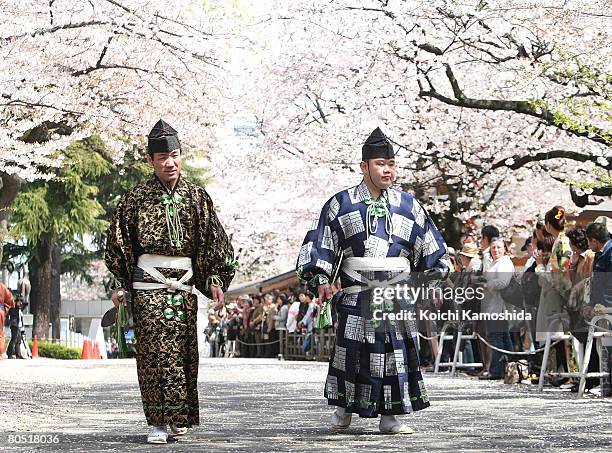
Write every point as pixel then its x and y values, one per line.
pixel 149 263
pixel 352 265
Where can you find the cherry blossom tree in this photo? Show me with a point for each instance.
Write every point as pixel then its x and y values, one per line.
pixel 493 104
pixel 495 107
pixel 110 67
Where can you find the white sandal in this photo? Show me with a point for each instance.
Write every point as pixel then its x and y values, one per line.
pixel 158 435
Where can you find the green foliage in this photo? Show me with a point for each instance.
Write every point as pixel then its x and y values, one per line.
pixel 600 179
pixel 76 260
pixel 57 351
pixel 132 170
pixel 196 175
pixel 574 115
pixel 10 251
pixel 591 102
pixel 30 213
pixel 67 206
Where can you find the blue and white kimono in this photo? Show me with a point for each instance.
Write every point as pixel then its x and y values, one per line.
pixel 372 371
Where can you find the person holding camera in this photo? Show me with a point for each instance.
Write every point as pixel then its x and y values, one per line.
pixel 15 318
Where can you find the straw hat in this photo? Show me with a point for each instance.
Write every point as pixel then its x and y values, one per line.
pixel 469 249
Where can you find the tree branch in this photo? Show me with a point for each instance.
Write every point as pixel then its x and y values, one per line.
pixel 555 154
pixel 376 10
pixel 22 103
pixel 584 200
pixel 164 43
pixel 523 107
pixel 99 67
pixel 54 29
pixel 486 204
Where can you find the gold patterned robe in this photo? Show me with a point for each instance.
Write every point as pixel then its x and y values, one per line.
pixel 166 347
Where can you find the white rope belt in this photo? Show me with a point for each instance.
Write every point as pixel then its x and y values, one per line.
pixel 352 266
pixel 149 263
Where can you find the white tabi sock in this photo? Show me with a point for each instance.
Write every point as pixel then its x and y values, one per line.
pixel 340 419
pixel 390 424
pixel 177 431
pixel 158 435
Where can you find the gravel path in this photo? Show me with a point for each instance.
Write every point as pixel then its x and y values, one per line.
pixel 265 405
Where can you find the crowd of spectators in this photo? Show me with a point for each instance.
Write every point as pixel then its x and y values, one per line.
pixel 564 283
pixel 252 325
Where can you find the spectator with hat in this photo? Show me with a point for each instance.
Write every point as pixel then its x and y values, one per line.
pixel 468 256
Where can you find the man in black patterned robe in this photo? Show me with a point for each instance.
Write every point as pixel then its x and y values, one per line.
pixel 164 240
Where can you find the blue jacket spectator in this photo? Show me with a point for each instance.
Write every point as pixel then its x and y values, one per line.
pixel 601 243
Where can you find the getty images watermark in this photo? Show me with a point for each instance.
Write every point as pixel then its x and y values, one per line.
pixel 383 308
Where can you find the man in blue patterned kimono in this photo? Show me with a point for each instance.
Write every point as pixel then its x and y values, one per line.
pixel 376 231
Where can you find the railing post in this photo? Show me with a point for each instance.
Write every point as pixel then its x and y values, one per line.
pixel 457 350
pixel 282 344
pixel 545 360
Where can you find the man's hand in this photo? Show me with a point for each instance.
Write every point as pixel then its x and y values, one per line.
pixel 325 292
pixel 217 296
pixel 115 297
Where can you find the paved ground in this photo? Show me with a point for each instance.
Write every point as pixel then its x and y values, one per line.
pixel 268 406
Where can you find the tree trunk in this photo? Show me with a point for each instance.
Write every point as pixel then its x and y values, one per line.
pixel 40 269
pixel 453 227
pixel 56 272
pixel 9 188
pixel 447 222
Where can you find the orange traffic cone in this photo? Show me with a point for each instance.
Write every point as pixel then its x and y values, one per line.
pixel 35 347
pixel 87 352
pixel 96 351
